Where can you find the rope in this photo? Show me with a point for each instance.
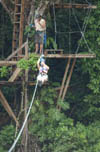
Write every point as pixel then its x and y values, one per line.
pixel 83 28
pixel 24 123
pixel 82 31
pixel 87 2
pixel 55 25
pixel 69 28
pixel 21 130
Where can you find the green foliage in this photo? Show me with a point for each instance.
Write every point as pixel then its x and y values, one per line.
pixel 56 132
pixel 91 68
pixel 4 71
pixel 63 105
pixel 51 43
pixel 30 63
pixel 6 137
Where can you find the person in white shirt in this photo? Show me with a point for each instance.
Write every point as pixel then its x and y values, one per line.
pixel 40 27
pixel 43 71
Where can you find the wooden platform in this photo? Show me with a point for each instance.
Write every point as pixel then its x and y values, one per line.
pixel 70 56
pixel 68 5
pixel 30 83
pixel 7 63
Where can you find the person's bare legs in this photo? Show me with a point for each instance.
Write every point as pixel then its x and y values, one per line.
pixel 41 48
pixel 36 48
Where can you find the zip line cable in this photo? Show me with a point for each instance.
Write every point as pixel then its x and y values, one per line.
pixel 21 130
pixel 87 1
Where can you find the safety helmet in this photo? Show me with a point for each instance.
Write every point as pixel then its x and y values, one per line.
pixel 42 60
pixel 42 56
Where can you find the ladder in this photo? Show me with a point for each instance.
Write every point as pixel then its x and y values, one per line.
pixel 18 25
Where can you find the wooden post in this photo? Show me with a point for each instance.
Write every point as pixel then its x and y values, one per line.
pixel 25 132
pixel 68 80
pixel 64 78
pixel 26 51
pixel 21 25
pixel 7 107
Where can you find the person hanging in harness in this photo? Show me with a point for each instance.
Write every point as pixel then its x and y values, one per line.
pixel 43 71
pixel 40 30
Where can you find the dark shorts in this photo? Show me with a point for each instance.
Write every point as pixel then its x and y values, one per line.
pixel 39 37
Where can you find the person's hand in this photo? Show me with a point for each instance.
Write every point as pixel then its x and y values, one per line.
pixel 31 25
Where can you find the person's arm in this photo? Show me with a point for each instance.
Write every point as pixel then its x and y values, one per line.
pixel 42 23
pixel 46 66
pixel 38 64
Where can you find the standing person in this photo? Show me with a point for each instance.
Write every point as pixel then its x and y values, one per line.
pixel 40 27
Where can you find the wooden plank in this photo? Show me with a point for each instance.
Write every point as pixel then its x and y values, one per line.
pixel 7 63
pixel 9 83
pixel 15 52
pixel 70 56
pixel 31 83
pixel 53 50
pixel 68 5
pixel 14 75
pixel 7 107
